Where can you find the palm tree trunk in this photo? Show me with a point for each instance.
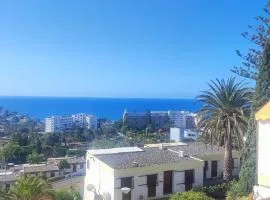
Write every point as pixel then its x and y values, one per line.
pixel 227 167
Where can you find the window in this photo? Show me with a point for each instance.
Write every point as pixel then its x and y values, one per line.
pixel 189 179
pixel 167 189
pixel 74 168
pixel 214 168
pixel 52 174
pixel 88 164
pixel 81 166
pixel 205 169
pixel 127 182
pixel 152 183
pixel 7 186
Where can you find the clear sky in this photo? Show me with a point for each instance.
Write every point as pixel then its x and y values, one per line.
pixel 120 48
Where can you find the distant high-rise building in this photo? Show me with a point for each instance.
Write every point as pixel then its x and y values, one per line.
pixel 136 120
pixel 64 123
pixel 91 122
pixel 158 119
pixel 190 121
pixel 182 119
pixel 178 118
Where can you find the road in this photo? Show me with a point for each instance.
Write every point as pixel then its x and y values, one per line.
pixel 76 182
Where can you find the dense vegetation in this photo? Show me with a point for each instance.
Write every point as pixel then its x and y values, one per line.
pixel 255 66
pixel 261 96
pixel 190 195
pixel 36 188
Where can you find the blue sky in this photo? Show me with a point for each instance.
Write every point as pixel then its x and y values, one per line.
pixel 120 48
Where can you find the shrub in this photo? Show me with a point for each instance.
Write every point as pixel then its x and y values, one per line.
pixel 64 164
pixel 190 195
pixel 66 194
pixel 217 191
pixel 234 191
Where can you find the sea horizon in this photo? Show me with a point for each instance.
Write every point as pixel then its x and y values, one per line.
pixel 111 108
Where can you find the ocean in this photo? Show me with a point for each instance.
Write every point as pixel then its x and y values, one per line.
pixel 110 108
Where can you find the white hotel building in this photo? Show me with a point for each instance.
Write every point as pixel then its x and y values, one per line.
pixel 63 123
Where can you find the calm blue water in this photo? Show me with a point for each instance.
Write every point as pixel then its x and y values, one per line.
pixel 111 108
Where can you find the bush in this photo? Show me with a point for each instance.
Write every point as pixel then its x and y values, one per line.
pixel 34 158
pixel 217 191
pixel 65 194
pixel 190 195
pixel 64 164
pixel 235 192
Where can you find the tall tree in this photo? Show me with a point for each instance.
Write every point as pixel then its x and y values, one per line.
pixel 258 36
pixel 222 116
pixel 261 96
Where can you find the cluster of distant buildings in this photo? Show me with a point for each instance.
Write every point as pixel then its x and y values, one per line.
pixel 64 123
pixel 51 169
pixel 177 119
pixel 134 120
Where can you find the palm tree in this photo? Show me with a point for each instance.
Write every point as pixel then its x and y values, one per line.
pixel 30 188
pixel 222 116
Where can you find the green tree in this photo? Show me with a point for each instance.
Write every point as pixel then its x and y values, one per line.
pixel 35 158
pixel 64 164
pixel 76 152
pixel 65 194
pixel 15 154
pixel 30 188
pixel 222 116
pixel 258 35
pixel 261 96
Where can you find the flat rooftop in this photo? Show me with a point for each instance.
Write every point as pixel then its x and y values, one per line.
pixel 150 156
pixel 197 148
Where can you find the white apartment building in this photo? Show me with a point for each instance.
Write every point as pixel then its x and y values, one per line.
pixel 91 122
pixel 132 173
pixel 63 123
pixel 52 124
pixel 180 134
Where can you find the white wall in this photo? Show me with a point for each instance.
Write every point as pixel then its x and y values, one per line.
pixel 140 184
pixel 175 134
pixel 260 193
pixel 198 177
pixel 235 172
pixel 263 148
pixel 178 181
pixel 100 177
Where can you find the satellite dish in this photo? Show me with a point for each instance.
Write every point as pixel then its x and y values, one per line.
pixel 90 187
pixel 125 190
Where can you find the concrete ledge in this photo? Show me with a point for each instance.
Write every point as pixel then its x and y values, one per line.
pixel 261 193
